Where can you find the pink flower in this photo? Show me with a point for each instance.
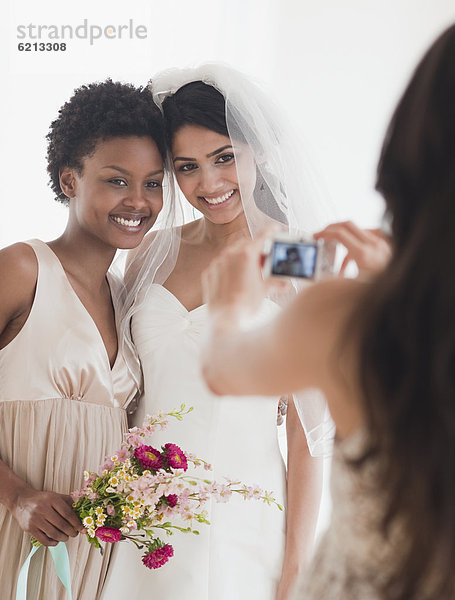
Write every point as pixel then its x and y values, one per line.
pixel 108 464
pixel 159 557
pixel 149 457
pixel 175 457
pixel 77 495
pixel 108 534
pixel 110 510
pixel 134 440
pixel 221 492
pixel 171 500
pixel 123 454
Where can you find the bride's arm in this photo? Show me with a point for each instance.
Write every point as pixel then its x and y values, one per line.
pixel 304 485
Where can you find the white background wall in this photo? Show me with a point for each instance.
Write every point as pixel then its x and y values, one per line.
pixel 336 66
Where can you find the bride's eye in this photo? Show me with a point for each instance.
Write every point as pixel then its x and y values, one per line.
pixel 186 168
pixel 225 158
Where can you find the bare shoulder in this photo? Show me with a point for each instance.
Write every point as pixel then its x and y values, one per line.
pixel 18 273
pixel 18 263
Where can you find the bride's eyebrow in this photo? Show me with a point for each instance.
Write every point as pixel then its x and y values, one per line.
pixel 219 150
pixel 183 158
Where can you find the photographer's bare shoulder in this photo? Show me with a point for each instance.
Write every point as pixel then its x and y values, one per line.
pixel 18 274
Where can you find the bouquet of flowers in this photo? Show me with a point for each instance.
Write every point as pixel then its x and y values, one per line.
pixel 142 492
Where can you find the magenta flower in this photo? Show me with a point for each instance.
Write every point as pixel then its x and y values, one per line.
pixel 171 500
pixel 149 457
pixel 175 457
pixel 158 557
pixel 108 534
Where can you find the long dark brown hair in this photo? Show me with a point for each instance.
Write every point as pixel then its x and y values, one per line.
pixel 407 365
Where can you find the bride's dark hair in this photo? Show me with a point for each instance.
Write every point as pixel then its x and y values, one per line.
pixel 195 103
pixel 407 367
pixel 200 104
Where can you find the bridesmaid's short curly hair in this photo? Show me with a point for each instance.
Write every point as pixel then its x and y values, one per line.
pixel 97 112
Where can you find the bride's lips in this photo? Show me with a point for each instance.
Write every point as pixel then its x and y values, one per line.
pixel 217 202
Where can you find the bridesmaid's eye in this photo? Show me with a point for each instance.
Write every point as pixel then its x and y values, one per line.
pixel 153 184
pixel 117 181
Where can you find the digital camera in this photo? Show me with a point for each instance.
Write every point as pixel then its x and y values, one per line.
pixel 300 257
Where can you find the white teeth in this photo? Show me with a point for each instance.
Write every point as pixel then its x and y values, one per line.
pixel 220 199
pixel 128 223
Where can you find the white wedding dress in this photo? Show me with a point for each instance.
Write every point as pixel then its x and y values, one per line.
pixel 239 556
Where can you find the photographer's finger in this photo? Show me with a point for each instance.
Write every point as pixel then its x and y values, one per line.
pixel 343 236
pixel 347 233
pixel 379 233
pixel 363 235
pixel 347 259
pixel 277 285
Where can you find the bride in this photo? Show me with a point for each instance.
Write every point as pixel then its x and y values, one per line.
pixel 236 170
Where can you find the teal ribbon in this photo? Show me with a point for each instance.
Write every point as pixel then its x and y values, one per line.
pixel 61 560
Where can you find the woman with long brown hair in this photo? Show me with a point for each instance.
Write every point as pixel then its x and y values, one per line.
pixel 383 352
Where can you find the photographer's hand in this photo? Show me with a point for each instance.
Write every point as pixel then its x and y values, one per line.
pixel 368 248
pixel 232 284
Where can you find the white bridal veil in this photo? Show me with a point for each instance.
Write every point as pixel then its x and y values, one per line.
pixel 285 191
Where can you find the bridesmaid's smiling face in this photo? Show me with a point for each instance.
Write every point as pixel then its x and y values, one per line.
pixel 117 196
pixel 207 169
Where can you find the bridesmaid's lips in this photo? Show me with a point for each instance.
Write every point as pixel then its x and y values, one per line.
pixel 129 228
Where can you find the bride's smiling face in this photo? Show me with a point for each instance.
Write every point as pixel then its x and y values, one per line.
pixel 206 165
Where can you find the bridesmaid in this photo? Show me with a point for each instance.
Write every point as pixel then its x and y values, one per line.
pixel 64 385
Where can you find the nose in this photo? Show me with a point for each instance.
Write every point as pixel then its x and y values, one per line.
pixel 136 197
pixel 210 182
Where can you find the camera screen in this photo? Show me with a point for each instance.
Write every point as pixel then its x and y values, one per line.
pixel 293 259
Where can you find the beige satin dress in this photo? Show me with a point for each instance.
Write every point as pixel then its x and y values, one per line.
pixel 62 409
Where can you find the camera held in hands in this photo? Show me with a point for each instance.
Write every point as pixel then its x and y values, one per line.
pixel 300 257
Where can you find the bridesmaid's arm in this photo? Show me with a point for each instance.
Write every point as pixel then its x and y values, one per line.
pixel 304 485
pixel 18 274
pixel 47 516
